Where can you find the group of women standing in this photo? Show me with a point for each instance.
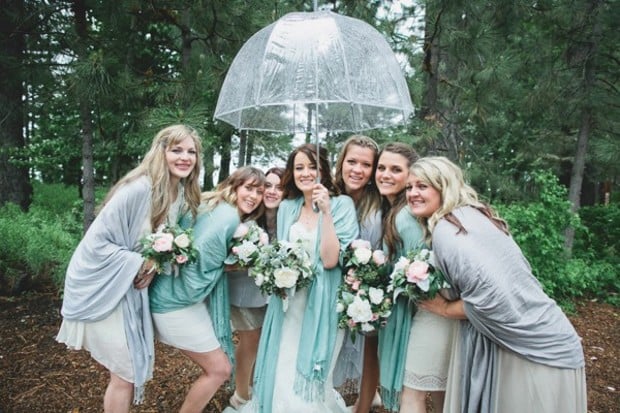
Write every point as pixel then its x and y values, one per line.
pixel 491 343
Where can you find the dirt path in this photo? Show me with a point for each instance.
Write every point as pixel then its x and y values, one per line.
pixel 39 375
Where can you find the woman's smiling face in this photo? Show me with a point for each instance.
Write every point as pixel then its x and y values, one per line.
pixel 249 196
pixel 273 191
pixel 391 175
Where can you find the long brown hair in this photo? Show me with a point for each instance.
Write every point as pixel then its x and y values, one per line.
pixel 155 167
pixel 390 234
pixel 309 149
pixel 370 201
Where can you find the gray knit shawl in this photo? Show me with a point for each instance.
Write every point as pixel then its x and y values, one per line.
pixel 504 303
pixel 101 273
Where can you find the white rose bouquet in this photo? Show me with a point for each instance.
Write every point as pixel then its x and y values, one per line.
pixel 169 247
pixel 363 304
pixel 416 276
pixel 247 239
pixel 282 268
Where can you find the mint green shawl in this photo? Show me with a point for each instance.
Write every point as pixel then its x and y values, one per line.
pixel 320 325
pixel 203 280
pixel 394 337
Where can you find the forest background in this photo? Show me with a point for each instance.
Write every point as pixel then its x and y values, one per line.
pixel 523 95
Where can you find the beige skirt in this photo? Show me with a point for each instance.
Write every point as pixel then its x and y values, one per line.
pixel 104 339
pixel 247 319
pixel 189 328
pixel 428 352
pixel 524 386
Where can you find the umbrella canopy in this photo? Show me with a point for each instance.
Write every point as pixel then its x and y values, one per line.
pixel 319 68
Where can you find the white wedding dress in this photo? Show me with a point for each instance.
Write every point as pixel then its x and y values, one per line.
pixel 285 400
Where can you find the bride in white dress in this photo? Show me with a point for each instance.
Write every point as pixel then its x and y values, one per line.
pixel 299 346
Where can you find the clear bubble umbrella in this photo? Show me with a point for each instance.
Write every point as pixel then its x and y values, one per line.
pixel 314 72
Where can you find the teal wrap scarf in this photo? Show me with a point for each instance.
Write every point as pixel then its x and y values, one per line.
pixel 394 337
pixel 320 322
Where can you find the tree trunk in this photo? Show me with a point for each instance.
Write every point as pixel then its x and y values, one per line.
pixel 243 140
pixel 88 172
pixel 14 179
pixel 589 49
pixel 226 139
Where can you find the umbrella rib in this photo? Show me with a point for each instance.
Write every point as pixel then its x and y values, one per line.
pixel 346 73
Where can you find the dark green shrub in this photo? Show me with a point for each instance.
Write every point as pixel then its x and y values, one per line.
pixel 538 227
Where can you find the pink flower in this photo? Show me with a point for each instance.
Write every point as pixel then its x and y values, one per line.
pixel 181 259
pixel 351 323
pixel 263 238
pixel 241 231
pixel 355 285
pixel 378 257
pixel 360 243
pixel 163 242
pixel 417 271
pixel 235 250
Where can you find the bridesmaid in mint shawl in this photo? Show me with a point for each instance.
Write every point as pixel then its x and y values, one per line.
pixel 299 346
pixel 191 311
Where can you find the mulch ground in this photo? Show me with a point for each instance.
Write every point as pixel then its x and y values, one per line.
pixel 39 375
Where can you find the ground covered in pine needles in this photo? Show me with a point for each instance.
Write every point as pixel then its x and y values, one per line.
pixel 37 374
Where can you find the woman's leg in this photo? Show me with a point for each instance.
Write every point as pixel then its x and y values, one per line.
pixel 412 401
pixel 118 395
pixel 245 357
pixel 438 397
pixel 216 370
pixel 370 375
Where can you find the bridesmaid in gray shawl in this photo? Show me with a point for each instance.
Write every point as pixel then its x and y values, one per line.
pixel 515 351
pixel 106 306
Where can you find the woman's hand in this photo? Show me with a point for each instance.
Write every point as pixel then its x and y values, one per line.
pixel 444 308
pixel 232 267
pixel 145 275
pixel 320 197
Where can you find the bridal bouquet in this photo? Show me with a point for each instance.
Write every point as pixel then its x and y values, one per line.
pixel 169 247
pixel 363 304
pixel 416 276
pixel 247 240
pixel 282 268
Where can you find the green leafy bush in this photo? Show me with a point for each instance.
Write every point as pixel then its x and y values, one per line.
pixel 39 244
pixel 538 227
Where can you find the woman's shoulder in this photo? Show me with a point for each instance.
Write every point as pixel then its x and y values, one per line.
pixel 223 212
pixel 343 201
pixel 405 217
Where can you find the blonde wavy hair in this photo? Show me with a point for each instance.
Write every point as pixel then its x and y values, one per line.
pixel 155 167
pixel 226 190
pixel 447 178
pixel 370 200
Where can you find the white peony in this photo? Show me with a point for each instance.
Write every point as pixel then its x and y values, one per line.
pixel 245 251
pixel 182 241
pixel 359 310
pixel 259 279
pixel 363 255
pixel 401 264
pixel 285 277
pixel 367 327
pixel 375 295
